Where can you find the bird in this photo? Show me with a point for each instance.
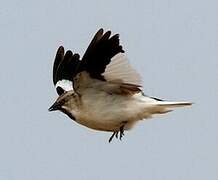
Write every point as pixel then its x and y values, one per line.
pixel 101 90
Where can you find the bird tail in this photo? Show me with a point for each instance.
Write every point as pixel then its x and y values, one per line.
pixel 173 104
pixel 160 107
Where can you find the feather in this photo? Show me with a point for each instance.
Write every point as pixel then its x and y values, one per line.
pixel 99 53
pixel 119 70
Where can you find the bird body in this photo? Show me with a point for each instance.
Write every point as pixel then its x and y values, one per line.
pixel 100 110
pixel 102 91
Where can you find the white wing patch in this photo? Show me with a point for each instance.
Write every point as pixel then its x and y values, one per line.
pixel 121 71
pixel 65 84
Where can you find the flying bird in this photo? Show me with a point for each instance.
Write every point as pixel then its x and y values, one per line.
pixel 101 90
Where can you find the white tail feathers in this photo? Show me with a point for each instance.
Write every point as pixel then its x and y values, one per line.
pixel 160 107
pixel 168 104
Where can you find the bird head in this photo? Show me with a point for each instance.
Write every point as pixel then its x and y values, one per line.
pixel 66 103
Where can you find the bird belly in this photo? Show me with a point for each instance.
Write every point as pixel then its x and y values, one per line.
pixel 109 112
pixel 100 125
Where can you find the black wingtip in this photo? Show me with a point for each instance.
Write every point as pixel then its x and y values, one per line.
pixel 61 49
pixel 100 31
pixel 68 54
pixel 106 35
pixel 58 59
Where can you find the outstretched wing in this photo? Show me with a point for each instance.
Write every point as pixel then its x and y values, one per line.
pixel 104 60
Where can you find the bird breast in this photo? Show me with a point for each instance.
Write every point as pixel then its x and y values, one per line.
pixel 103 111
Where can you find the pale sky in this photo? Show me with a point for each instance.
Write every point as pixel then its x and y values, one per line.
pixel 174 46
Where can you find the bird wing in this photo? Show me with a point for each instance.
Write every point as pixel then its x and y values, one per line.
pixel 103 60
pixel 99 53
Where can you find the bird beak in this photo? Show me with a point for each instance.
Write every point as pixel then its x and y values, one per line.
pixel 56 106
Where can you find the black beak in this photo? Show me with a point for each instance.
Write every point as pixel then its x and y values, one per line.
pixel 56 106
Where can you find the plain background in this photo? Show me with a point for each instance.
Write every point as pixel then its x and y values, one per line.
pixel 174 46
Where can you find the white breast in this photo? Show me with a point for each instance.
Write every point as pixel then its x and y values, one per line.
pixel 103 111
